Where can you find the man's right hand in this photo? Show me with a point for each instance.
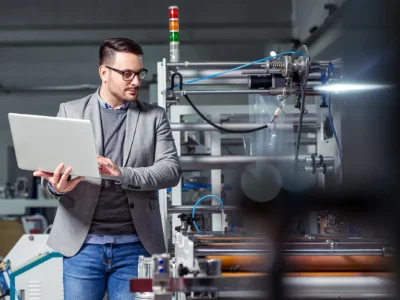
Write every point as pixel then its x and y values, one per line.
pixel 60 183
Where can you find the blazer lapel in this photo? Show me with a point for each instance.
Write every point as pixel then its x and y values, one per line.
pixel 131 124
pixel 94 117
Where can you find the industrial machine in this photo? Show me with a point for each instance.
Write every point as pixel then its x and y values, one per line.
pixel 232 266
pixel 287 138
pixel 31 270
pixel 289 126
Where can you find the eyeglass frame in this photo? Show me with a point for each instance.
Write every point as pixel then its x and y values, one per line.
pixel 123 73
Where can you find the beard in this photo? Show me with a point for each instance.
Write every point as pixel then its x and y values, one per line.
pixel 129 93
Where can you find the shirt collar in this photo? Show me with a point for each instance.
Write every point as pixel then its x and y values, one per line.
pixel 105 105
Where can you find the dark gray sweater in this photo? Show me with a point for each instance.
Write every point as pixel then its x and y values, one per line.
pixel 112 215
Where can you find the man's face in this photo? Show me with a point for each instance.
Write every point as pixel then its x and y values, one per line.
pixel 117 86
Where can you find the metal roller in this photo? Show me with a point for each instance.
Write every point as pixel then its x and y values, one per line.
pixel 312 263
pixel 239 142
pixel 227 162
pixel 193 74
pixel 366 287
pixel 213 64
pixel 339 287
pixel 291 118
pixel 200 208
pixel 206 251
pixel 205 92
pixel 238 82
pixel 237 126
pixel 312 274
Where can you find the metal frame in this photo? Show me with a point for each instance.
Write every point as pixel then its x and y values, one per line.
pixel 176 112
pixel 162 102
pixel 28 267
pixel 215 112
pixel 33 261
pixel 329 287
pixel 213 142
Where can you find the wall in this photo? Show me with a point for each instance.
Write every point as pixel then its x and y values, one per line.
pixel 309 13
pixel 54 43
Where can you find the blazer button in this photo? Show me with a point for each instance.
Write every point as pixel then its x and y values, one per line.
pixel 132 206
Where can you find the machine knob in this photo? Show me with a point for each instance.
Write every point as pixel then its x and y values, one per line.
pixel 182 271
pixel 183 217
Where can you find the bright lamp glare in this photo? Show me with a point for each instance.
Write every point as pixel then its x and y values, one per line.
pixel 272 53
pixel 337 88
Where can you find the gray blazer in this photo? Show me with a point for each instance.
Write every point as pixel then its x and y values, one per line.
pixel 150 163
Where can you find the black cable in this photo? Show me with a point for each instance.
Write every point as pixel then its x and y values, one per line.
pixel 210 122
pixel 302 108
pixel 314 168
pixel 204 117
pixel 219 127
pixel 229 152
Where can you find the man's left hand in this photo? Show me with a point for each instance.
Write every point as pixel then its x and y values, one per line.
pixel 107 166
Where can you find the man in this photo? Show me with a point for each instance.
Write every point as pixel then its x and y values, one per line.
pixel 102 226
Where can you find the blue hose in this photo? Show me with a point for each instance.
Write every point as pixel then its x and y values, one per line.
pixel 198 202
pixel 12 287
pixel 3 283
pixel 242 66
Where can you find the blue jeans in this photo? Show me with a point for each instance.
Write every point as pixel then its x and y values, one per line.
pixel 99 268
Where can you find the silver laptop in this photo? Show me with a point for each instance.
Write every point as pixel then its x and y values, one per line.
pixel 42 143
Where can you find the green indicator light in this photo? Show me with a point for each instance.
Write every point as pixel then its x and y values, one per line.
pixel 174 36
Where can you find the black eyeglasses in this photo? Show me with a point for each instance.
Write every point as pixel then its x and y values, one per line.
pixel 129 75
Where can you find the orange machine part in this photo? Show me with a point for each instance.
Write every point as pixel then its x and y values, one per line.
pixel 308 263
pixel 238 238
pixel 312 274
pixel 241 274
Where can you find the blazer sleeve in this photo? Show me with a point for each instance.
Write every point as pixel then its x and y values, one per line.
pixel 165 172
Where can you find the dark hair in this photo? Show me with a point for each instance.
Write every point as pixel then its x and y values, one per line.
pixel 112 45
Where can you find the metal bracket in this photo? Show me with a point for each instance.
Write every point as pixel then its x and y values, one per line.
pixel 309 236
pixel 332 244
